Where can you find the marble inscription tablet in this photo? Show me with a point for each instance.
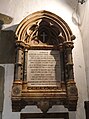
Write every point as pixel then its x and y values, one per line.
pixel 43 68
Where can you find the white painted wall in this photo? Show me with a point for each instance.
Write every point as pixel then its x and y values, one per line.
pixel 19 9
pixel 84 28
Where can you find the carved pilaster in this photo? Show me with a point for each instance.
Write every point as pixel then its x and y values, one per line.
pixel 72 94
pixel 19 61
pixel 72 91
pixel 18 77
pixel 25 67
pixel 68 45
pixel 62 70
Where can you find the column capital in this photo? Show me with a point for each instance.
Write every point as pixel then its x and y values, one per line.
pixel 68 44
pixel 20 44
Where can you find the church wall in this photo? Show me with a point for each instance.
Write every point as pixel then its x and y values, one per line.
pixel 84 29
pixel 19 10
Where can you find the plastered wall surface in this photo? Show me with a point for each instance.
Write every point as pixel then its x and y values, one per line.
pixel 84 29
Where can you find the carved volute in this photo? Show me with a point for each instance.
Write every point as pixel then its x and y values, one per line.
pixel 44 30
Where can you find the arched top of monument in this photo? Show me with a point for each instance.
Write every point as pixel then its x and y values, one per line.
pixel 43 23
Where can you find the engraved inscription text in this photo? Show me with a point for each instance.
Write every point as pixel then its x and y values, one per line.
pixel 43 68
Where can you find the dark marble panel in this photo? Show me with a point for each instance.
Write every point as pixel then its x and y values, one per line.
pixel 62 115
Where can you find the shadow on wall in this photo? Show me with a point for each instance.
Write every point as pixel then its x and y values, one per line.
pixel 72 3
pixel 7 45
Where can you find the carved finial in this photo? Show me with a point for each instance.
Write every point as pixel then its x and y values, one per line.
pixel 73 37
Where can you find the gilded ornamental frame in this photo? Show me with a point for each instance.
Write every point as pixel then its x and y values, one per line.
pixel 59 37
